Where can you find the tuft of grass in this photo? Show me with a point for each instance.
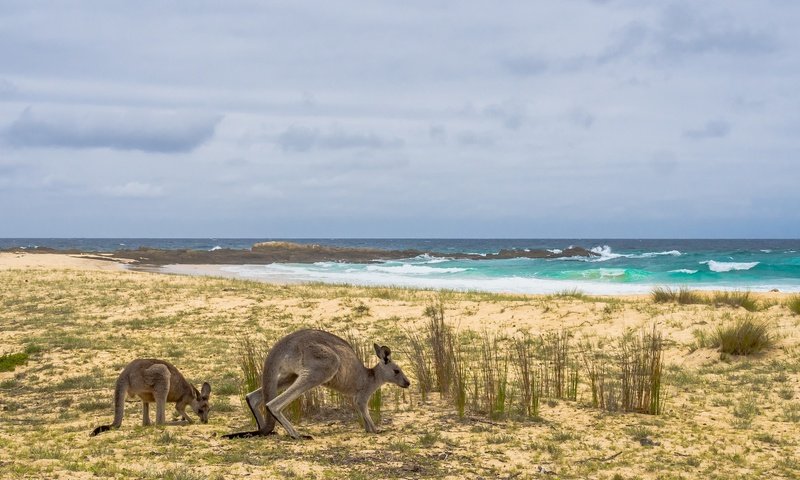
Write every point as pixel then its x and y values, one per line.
pixel 736 299
pixel 745 411
pixel 744 336
pixel 641 364
pixel 527 381
pixel 420 363
pixel 571 293
pixel 793 304
pixel 682 296
pixel 11 361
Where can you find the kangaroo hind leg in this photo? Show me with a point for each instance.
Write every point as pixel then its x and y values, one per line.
pixel 157 378
pixel 319 365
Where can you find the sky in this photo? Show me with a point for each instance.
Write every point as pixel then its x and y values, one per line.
pixel 537 119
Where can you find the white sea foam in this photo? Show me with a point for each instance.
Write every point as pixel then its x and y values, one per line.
pixel 722 267
pixel 766 251
pixel 215 248
pixel 363 276
pixel 605 253
pixel 407 269
pixel 673 253
pixel 357 275
pixel 556 251
pixel 684 270
pixel 427 258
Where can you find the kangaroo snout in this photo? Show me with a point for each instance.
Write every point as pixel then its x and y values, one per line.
pixel 406 385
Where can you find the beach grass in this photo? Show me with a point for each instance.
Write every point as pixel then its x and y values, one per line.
pixel 793 304
pixel 522 382
pixel 744 336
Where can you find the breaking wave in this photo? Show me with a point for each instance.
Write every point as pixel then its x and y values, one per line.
pixel 722 267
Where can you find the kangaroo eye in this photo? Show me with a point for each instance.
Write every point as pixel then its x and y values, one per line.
pixel 397 372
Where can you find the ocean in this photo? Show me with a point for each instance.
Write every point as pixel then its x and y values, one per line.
pixel 623 266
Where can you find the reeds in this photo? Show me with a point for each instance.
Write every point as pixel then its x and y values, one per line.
pixel 440 339
pixel 420 363
pixel 641 363
pixel 493 376
pixel 559 373
pixel 527 383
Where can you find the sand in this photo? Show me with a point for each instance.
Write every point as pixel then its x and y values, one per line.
pixel 82 319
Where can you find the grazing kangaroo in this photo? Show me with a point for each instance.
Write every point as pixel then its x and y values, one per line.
pixel 156 381
pixel 306 359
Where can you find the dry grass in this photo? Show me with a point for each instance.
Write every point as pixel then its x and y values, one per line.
pixel 731 418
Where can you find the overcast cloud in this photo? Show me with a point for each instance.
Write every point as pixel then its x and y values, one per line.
pixel 577 118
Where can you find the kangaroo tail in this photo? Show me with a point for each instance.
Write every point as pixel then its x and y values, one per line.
pixel 119 408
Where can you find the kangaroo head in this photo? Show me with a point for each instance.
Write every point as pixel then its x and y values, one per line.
pixel 200 403
pixel 387 370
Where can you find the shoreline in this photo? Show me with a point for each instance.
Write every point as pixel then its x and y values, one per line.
pixel 26 260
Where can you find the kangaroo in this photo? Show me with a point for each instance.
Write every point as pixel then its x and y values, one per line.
pixel 157 381
pixel 306 359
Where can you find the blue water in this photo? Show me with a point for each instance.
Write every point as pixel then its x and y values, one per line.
pixel 623 266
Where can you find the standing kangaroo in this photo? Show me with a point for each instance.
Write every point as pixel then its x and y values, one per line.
pixel 156 381
pixel 306 359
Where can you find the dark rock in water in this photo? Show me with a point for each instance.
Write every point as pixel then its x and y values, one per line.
pixel 288 252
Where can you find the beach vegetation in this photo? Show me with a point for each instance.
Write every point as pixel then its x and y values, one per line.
pixel 9 362
pixel 681 296
pixel 493 419
pixel 744 335
pixel 735 299
pixel 793 304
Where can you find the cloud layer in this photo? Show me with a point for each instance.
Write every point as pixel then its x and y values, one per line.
pixel 128 129
pixel 564 119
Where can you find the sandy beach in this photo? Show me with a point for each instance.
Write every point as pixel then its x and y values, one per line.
pixel 80 320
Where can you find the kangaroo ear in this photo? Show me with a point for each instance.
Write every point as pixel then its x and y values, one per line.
pixel 205 391
pixel 382 352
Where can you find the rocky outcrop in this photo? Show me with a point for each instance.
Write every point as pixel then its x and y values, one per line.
pixel 289 252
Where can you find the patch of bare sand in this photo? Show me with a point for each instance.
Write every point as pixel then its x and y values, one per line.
pixel 22 260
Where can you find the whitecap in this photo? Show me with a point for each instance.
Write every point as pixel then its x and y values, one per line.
pixel 428 258
pixel 673 253
pixel 684 270
pixel 407 269
pixel 722 267
pixel 214 249
pixel 604 253
pixel 556 251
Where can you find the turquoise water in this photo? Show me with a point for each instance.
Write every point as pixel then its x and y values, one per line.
pixel 622 266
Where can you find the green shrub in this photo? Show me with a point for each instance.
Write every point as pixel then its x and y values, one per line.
pixel 10 361
pixel 743 336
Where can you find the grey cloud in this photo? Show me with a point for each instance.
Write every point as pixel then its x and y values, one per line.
pixel 511 114
pixel 685 32
pixel 7 88
pixel 712 129
pixel 525 66
pixel 581 118
pixel 133 190
pixel 301 139
pixel 630 38
pixel 127 129
pixel 437 133
pixel 475 139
